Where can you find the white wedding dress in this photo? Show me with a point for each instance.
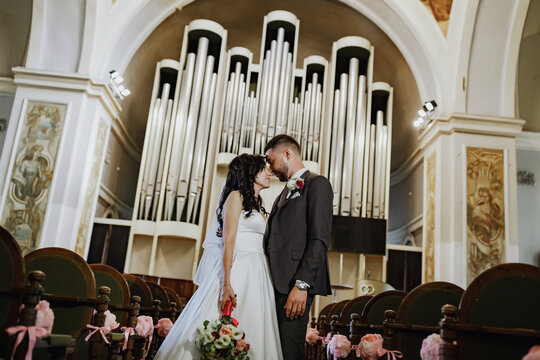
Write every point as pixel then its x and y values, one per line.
pixel 250 280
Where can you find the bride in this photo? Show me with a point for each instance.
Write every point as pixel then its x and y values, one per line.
pixel 233 267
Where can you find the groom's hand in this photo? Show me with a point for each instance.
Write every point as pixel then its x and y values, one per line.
pixel 296 303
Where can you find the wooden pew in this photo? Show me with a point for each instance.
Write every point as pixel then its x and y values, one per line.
pixel 71 290
pixel 119 304
pixel 355 306
pixel 418 316
pixel 498 316
pixel 11 284
pixel 139 288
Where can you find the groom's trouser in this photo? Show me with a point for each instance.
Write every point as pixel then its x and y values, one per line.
pixel 292 332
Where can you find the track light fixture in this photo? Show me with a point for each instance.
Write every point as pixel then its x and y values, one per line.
pixel 115 79
pixel 425 115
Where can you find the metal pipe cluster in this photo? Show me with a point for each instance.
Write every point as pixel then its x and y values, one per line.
pixel 358 149
pixel 159 122
pixel 275 87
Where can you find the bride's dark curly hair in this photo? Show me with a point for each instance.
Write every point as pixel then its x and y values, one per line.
pixel 242 172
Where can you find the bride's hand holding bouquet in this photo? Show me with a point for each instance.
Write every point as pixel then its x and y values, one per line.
pixel 223 339
pixel 227 294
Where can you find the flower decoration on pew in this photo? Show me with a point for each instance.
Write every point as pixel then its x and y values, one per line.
pixel 312 336
pixel 339 346
pixel 163 327
pixel 222 339
pixel 145 328
pixel 42 328
pixel 430 347
pixel 109 325
pixel 533 354
pixel 369 346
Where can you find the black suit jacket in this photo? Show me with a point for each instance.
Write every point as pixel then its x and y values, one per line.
pixel 297 236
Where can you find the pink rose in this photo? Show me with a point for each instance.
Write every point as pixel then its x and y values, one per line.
pixel 533 354
pixel 241 345
pixel 370 345
pixel 110 321
pixel 44 316
pixel 339 346
pixel 225 330
pixel 312 335
pixel 430 347
pixel 164 326
pixel 145 326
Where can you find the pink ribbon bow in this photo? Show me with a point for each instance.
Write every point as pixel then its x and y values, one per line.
pixel 128 331
pixel 357 349
pixel 34 332
pixel 148 348
pixel 393 353
pixel 102 331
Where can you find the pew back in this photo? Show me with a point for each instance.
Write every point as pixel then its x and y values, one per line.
pixel 159 293
pixel 373 313
pixel 505 296
pixel 68 275
pixel 108 276
pixel 12 276
pixel 138 287
pixel 422 307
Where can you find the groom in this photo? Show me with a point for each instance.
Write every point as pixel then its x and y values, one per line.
pixel 296 242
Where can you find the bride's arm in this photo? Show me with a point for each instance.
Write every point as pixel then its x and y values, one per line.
pixel 232 210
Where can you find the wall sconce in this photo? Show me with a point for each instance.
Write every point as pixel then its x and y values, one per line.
pixel 425 115
pixel 115 81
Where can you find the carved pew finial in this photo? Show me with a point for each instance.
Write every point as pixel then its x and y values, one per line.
pixel 388 331
pixel 448 348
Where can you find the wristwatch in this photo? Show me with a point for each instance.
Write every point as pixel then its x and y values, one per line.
pixel 302 285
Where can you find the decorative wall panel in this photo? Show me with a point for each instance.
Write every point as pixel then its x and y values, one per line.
pixel 32 172
pixel 429 237
pixel 485 210
pixel 91 189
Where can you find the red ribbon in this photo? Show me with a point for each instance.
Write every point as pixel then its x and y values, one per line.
pixel 227 309
pixel 102 331
pixel 128 331
pixel 393 353
pixel 34 332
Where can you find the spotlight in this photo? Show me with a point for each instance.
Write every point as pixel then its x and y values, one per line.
pixel 115 79
pixel 426 115
pixel 431 105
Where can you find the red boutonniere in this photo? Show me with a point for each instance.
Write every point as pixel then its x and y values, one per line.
pixel 295 184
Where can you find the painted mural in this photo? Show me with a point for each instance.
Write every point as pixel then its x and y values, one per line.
pixel 32 172
pixel 429 249
pixel 440 9
pixel 485 210
pixel 91 190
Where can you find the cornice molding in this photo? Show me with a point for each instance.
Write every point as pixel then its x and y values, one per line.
pixel 528 140
pixel 471 124
pixel 82 83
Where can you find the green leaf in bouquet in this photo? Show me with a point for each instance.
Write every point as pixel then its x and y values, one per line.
pixel 206 323
pixel 226 320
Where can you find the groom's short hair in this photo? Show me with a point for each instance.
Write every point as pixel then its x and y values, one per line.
pixel 283 140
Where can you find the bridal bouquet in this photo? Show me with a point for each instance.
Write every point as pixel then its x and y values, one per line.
pixel 222 339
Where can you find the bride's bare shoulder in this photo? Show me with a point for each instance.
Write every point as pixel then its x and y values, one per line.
pixel 234 199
